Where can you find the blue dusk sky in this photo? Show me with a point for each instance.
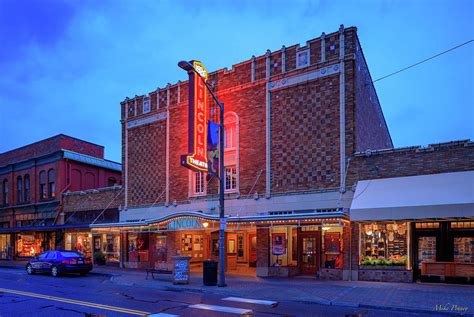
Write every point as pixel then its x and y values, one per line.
pixel 66 65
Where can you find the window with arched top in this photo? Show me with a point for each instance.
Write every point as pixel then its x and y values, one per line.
pixel 231 151
pixel 5 192
pixel 42 185
pixel 19 190
pixel 51 183
pixel 27 188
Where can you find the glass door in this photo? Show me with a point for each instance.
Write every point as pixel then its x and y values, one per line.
pixel 310 248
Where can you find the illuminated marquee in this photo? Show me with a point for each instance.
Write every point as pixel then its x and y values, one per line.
pixel 196 160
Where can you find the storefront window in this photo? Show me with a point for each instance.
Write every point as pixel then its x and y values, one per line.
pixel 79 241
pixel 464 249
pixel 332 248
pixel 193 245
pixel 29 244
pixel 384 244
pixel 5 246
pixel 107 247
pixel 426 250
pixel 137 247
pixel 282 246
pixel 161 249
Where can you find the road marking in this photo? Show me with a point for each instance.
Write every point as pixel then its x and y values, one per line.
pixel 224 309
pixel 251 301
pixel 77 302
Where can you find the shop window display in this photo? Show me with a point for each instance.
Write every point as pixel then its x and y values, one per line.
pixel 193 245
pixel 5 246
pixel 29 244
pixel 282 246
pixel 426 250
pixel 161 249
pixel 81 242
pixel 138 247
pixel 332 249
pixel 464 249
pixel 107 247
pixel 384 244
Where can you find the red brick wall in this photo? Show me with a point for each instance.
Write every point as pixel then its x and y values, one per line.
pixel 304 127
pixel 263 247
pixel 371 128
pixel 146 163
pixel 437 158
pixel 109 197
pixel 51 145
pixel 305 134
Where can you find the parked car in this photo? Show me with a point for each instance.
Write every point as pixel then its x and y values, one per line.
pixel 59 262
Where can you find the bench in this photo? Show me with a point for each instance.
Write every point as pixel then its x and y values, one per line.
pixel 155 271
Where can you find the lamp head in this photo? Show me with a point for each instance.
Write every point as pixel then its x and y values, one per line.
pixel 187 66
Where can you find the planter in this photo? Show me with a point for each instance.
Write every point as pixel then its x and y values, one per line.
pixel 385 273
pixel 383 267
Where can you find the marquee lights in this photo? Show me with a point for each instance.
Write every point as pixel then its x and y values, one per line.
pixel 196 160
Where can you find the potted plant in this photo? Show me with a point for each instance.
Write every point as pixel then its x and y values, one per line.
pixel 99 258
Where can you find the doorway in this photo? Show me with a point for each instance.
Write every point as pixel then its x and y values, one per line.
pixel 309 245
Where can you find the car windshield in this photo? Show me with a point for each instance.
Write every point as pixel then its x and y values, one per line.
pixel 71 254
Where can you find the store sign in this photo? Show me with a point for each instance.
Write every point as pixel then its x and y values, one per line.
pixel 185 223
pixel 196 159
pixel 278 243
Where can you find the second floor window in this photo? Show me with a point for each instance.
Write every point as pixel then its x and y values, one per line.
pixel 51 184
pixel 27 188
pixel 199 183
pixel 230 136
pixel 5 192
pixel 42 184
pixel 230 178
pixel 146 105
pixel 19 190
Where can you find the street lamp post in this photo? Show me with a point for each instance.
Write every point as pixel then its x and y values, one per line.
pixel 187 66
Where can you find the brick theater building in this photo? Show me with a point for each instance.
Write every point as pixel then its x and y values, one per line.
pixel 293 118
pixel 33 179
pixel 307 151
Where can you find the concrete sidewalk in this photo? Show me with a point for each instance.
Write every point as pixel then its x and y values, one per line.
pixel 415 297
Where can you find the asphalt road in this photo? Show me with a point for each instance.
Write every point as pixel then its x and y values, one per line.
pixel 95 295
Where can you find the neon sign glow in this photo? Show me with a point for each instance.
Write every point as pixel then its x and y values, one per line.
pixel 196 160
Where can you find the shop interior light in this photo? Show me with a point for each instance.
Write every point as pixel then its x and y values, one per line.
pixel 325 228
pixel 205 224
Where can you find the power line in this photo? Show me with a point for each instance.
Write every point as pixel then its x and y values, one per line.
pixel 423 61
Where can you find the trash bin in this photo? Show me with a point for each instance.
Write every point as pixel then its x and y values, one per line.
pixel 209 273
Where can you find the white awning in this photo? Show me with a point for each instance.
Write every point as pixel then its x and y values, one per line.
pixel 447 195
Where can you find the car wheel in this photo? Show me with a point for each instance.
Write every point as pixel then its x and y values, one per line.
pixel 29 269
pixel 54 271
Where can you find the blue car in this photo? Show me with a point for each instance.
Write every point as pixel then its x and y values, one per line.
pixel 59 262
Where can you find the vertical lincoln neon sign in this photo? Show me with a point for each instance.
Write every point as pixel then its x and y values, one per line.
pixel 196 159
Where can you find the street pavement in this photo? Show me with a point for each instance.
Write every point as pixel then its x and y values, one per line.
pixel 126 293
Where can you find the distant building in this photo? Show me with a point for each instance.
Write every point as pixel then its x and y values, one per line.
pixel 33 179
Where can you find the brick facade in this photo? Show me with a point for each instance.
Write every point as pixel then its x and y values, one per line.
pixel 303 115
pixel 50 156
pixel 99 205
pixel 50 145
pixel 447 157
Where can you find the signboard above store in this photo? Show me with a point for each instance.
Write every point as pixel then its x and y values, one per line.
pixel 196 159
